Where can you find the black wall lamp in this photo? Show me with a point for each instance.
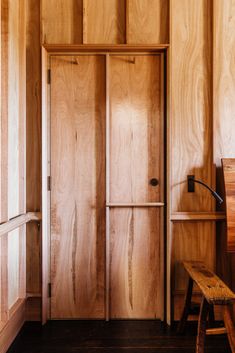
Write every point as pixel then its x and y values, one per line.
pixel 191 188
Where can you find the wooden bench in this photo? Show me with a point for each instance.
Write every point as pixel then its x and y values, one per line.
pixel 214 292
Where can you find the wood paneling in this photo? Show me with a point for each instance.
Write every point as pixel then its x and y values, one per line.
pixel 136 156
pixel 229 181
pixel 12 249
pixel 191 242
pixel 4 160
pixel 104 21
pixel 4 113
pixel 191 83
pixel 136 263
pixel 13 326
pixel 33 132
pixel 136 127
pixel 13 266
pixel 13 108
pixel 191 131
pixel 78 186
pixel 224 80
pixel 223 112
pixel 61 21
pixel 147 21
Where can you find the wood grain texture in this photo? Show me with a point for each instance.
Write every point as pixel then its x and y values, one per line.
pixel 4 113
pixel 136 127
pixel 46 194
pixel 33 133
pixel 61 21
pixel 192 242
pixel 191 83
pixel 78 186
pixel 229 182
pixel 223 112
pixel 213 288
pixel 13 266
pixel 104 21
pixel 224 80
pixel 13 109
pixel 19 221
pixel 12 328
pixel 147 21
pixel 4 161
pixel 136 264
pixel 197 216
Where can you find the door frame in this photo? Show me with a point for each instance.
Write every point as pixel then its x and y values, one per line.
pixel 63 50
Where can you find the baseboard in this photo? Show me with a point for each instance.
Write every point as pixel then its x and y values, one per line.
pixel 10 330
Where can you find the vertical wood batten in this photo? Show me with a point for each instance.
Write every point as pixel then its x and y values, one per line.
pixel 22 147
pixel 4 312
pixel 33 143
pixel 45 193
pixel 107 241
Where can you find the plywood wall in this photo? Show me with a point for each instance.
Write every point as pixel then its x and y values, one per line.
pixel 33 130
pixel 191 134
pixel 102 21
pixel 12 173
pixel 202 72
pixel 224 111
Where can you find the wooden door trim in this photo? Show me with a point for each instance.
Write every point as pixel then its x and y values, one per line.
pixel 64 49
pixel 51 50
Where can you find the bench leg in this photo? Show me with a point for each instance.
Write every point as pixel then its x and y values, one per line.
pixel 187 305
pixel 201 331
pixel 230 328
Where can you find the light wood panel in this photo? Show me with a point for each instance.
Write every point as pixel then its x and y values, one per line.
pixel 12 247
pixel 13 266
pixel 136 264
pixel 136 127
pixel 78 186
pixel 223 112
pixel 4 160
pixel 33 131
pixel 147 21
pixel 191 102
pixel 61 21
pixel 229 181
pixel 13 109
pixel 224 80
pixel 192 242
pixel 136 156
pixel 104 21
pixel 198 216
pixel 4 113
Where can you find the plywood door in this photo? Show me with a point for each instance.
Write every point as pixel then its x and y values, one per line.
pixel 77 186
pixel 136 156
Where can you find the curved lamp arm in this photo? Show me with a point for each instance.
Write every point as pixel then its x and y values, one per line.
pixel 192 180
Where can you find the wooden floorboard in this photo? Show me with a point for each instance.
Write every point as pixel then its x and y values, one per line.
pixel 115 337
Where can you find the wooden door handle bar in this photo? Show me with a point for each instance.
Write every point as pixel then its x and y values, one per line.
pixel 141 204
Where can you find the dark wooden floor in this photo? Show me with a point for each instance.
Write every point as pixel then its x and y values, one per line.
pixel 112 337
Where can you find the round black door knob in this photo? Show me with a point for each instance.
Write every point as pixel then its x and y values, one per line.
pixel 154 182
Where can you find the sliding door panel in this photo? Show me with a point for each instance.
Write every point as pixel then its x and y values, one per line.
pixel 77 186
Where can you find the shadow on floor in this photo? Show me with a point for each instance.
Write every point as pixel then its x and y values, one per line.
pixel 112 337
